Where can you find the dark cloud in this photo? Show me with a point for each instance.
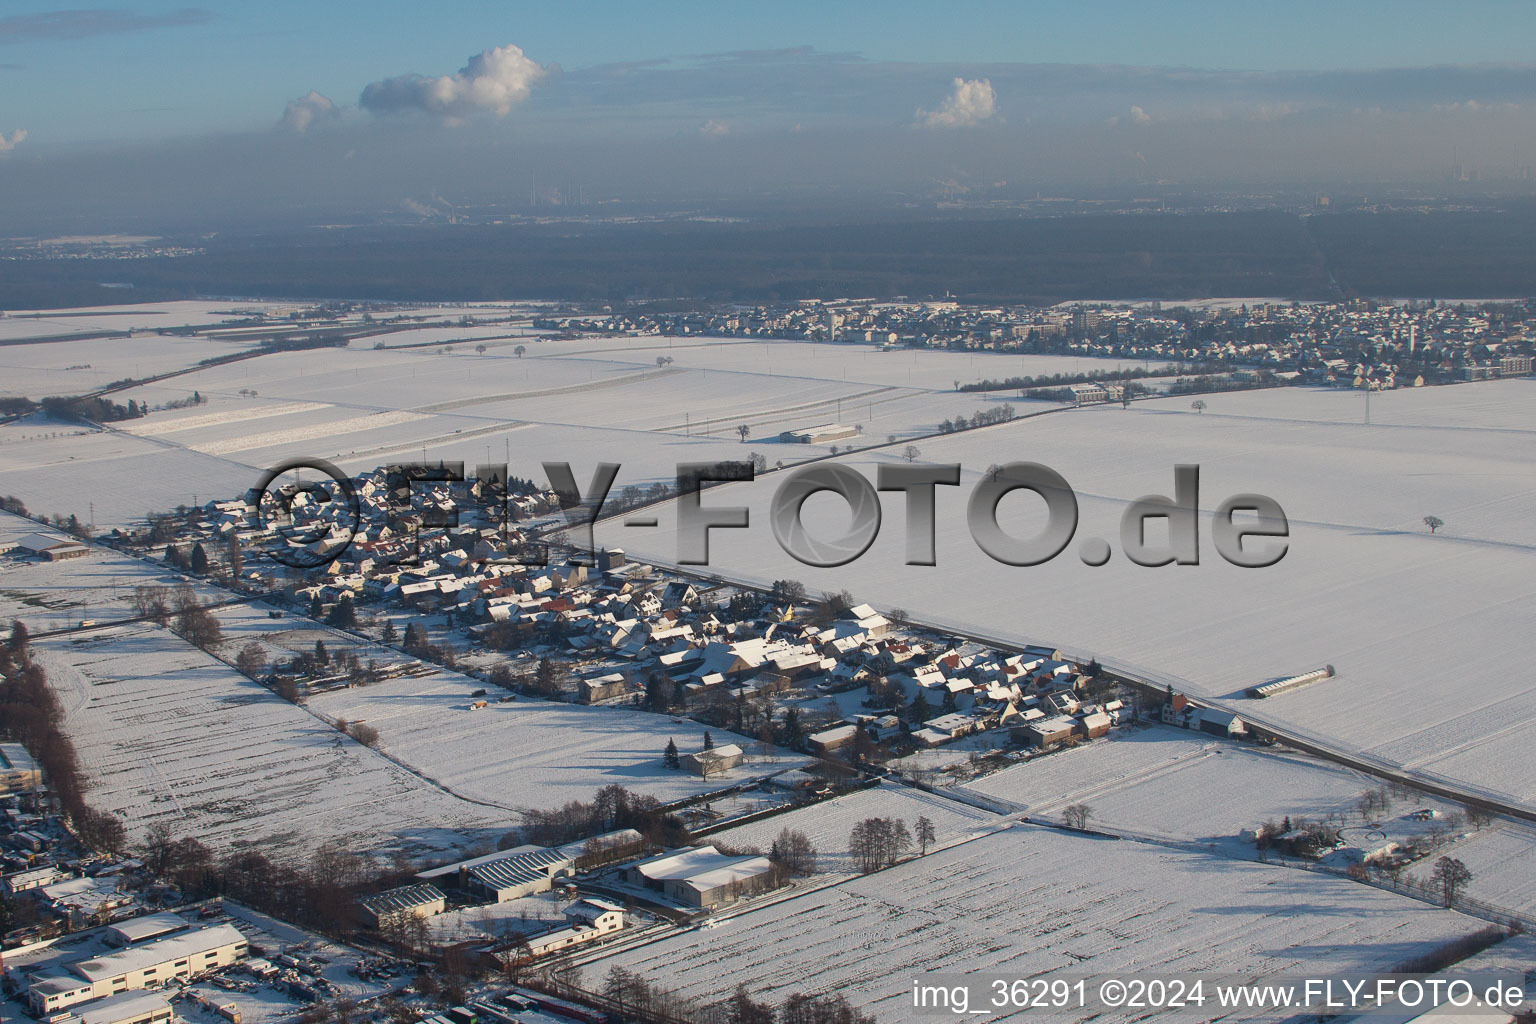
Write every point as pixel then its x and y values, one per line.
pixel 82 23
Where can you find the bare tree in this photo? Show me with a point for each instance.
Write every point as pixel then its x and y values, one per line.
pixel 198 626
pixel 251 660
pixel 877 843
pixel 1198 405
pixel 1433 522
pixel 745 432
pixel 794 851
pixel 1450 877
pixel 926 836
pixel 1076 815
pixel 911 452
pixel 519 350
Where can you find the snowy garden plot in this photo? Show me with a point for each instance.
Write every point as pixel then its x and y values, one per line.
pixel 1028 901
pixel 531 753
pixel 167 733
pixel 827 824
pixel 1364 587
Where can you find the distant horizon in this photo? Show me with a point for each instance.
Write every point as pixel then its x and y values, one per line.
pixel 223 115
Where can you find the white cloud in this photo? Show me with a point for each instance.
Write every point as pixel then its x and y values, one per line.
pixel 495 80
pixel 306 110
pixel 1140 116
pixel 17 137
pixel 714 127
pixel 971 101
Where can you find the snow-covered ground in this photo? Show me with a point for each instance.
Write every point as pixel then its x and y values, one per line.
pixel 1028 901
pixel 57 595
pixel 531 753
pixel 1177 783
pixel 167 733
pixel 828 824
pixel 1364 586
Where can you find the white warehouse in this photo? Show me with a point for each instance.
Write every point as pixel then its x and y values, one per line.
pixel 186 955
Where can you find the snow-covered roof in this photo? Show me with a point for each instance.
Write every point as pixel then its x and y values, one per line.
pixel 150 954
pixel 701 867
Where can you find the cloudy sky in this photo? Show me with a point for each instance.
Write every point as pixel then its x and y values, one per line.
pixel 290 97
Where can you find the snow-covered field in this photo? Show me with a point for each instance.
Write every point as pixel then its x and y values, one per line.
pixel 167 733
pixel 828 824
pixel 57 595
pixel 530 753
pixel 1364 586
pixel 76 367
pixel 1028 901
pixel 1177 783
pixel 861 362
pixel 1502 859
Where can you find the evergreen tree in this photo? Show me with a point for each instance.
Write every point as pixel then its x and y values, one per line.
pixel 709 741
pixel 199 559
pixel 344 615
pixel 921 710
pixel 415 637
pixel 656 692
pixel 669 756
pixel 322 656
pixel 19 635
pixel 316 609
pixel 388 635
pixel 792 729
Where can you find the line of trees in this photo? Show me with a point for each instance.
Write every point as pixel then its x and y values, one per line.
pixel 31 715
pixel 632 997
pixel 612 808
pixel 1086 377
pixel 877 843
pixel 981 418
pixel 91 409
pixel 318 893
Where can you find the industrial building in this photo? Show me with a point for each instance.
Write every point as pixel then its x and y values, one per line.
pixel 818 435
pixel 51 549
pixel 128 1008
pixel 396 905
pixel 702 876
pixel 184 955
pixel 19 772
pixel 144 928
